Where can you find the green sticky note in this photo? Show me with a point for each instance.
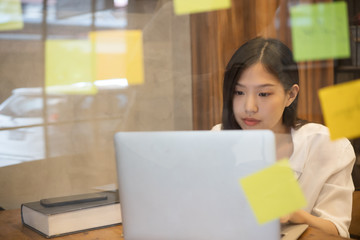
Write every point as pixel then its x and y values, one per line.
pixel 320 31
pixel 340 105
pixel 273 192
pixel 10 15
pixel 197 6
pixel 69 66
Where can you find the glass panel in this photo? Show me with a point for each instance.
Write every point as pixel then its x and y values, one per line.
pixel 74 75
pixel 75 72
pixel 21 145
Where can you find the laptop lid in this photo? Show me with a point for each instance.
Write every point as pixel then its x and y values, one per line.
pixel 184 184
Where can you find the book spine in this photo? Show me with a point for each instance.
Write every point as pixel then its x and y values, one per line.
pixel 28 226
pixel 21 211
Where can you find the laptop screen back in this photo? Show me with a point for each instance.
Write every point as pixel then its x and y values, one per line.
pixel 184 184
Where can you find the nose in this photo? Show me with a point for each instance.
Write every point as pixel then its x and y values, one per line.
pixel 251 105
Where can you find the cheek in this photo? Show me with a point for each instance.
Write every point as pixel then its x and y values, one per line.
pixel 236 105
pixel 274 109
pixel 271 107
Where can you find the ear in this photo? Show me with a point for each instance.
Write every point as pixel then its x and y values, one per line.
pixel 291 94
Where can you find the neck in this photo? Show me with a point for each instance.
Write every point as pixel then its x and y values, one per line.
pixel 284 145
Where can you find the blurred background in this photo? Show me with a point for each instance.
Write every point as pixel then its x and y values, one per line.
pixel 75 72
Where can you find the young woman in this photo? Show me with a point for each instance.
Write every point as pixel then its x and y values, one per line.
pixel 260 91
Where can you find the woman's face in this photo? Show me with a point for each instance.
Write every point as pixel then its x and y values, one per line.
pixel 259 100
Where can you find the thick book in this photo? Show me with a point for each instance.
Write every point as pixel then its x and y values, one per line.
pixel 65 215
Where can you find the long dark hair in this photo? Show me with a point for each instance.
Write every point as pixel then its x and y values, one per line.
pixel 277 58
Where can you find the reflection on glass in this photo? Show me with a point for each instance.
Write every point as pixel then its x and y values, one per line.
pixel 71 139
pixel 10 15
pixel 120 3
pixel 69 63
pixel 21 145
pixel 119 55
pixel 80 107
pixel 74 121
pixel 189 6
pixel 46 112
pixel 24 107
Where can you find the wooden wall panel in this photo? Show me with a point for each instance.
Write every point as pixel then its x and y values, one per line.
pixel 313 76
pixel 216 35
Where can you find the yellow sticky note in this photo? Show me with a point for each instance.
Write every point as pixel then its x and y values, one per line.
pixel 273 192
pixel 197 6
pixel 340 105
pixel 320 31
pixel 10 15
pixel 69 66
pixel 119 55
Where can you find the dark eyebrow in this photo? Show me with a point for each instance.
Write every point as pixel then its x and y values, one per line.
pixel 260 86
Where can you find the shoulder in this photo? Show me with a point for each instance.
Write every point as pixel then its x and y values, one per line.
pixel 315 131
pixel 315 139
pixel 217 127
pixel 312 129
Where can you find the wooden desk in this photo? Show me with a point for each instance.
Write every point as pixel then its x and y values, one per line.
pixel 11 228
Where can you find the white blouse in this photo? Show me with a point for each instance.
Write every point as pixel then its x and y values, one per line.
pixel 323 169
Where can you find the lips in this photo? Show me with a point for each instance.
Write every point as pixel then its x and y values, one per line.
pixel 250 121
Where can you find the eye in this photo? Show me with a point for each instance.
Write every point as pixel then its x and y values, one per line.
pixel 238 92
pixel 264 94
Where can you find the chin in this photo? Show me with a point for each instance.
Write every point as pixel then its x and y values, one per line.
pixel 251 128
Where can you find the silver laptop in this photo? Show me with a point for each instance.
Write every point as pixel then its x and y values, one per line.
pixel 184 184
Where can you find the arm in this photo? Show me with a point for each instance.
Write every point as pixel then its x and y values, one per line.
pixel 335 199
pixel 301 216
pixel 324 168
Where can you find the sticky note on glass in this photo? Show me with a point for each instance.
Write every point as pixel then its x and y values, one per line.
pixel 273 192
pixel 197 6
pixel 320 31
pixel 69 66
pixel 119 55
pixel 10 15
pixel 340 105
